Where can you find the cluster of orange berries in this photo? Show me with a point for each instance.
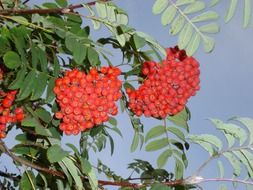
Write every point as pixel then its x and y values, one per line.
pixel 87 100
pixel 6 116
pixel 167 86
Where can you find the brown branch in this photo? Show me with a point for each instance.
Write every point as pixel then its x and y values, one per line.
pixel 64 10
pixel 5 150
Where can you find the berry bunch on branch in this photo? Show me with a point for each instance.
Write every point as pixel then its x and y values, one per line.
pixel 167 86
pixel 88 99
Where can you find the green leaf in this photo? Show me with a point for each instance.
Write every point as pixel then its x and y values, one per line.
pixel 40 84
pixel 70 42
pixel 184 2
pixel 57 67
pixel 122 19
pixel 206 16
pixel 176 132
pixel 159 186
pixel 163 158
pixel 235 163
pixel 157 144
pixel 223 187
pixel 246 159
pixel 50 92
pixel 90 172
pixel 60 184
pixel 96 24
pixel 79 52
pixel 93 57
pixel 230 139
pixel 232 129
pixel 42 59
pixel 180 119
pixel 159 6
pixel 207 146
pixel 12 60
pixel 214 2
pixel 155 132
pixel 168 15
pixel 177 25
pixel 27 86
pixel 121 39
pixel 19 79
pixel 56 154
pixel 30 122
pixel 139 42
pixel 43 115
pixel 231 10
pixel 194 7
pixel 193 44
pixel 208 43
pixel 19 19
pixel 247 122
pixel 135 142
pixel 101 9
pixel 185 36
pixel 210 28
pixel 73 170
pixel 153 42
pixel 28 181
pixel 179 169
pixel 247 13
pixel 113 121
pixel 41 130
pixel 111 16
pixel 207 138
pixel 62 3
pixel 66 172
pixel 111 144
pixel 221 168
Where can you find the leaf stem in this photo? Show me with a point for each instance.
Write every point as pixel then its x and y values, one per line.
pixel 218 154
pixel 187 19
pixel 30 179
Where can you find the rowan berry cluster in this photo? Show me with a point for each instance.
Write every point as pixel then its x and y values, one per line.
pixel 167 86
pixel 87 100
pixel 6 116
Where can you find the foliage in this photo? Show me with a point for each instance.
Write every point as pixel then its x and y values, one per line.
pixel 38 45
pixel 194 20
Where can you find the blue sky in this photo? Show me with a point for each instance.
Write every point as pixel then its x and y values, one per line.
pixel 226 86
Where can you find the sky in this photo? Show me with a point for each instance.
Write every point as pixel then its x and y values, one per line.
pixel 226 87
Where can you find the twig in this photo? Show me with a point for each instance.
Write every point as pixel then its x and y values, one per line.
pixel 45 11
pixel 26 1
pixel 227 180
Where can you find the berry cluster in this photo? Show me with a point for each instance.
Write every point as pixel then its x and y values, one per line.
pixel 167 86
pixel 6 116
pixel 87 99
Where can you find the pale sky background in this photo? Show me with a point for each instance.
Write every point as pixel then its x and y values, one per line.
pixel 226 88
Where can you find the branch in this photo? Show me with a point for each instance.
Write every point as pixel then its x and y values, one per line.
pixel 5 150
pixel 45 11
